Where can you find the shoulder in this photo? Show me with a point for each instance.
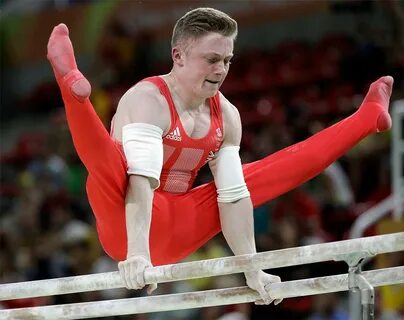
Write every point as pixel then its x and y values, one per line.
pixel 143 103
pixel 231 121
pixel 143 94
pixel 229 111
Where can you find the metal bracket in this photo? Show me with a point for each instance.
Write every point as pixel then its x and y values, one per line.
pixel 354 258
pixel 360 290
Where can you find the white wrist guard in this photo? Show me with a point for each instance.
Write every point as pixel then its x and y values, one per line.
pixel 228 174
pixel 143 148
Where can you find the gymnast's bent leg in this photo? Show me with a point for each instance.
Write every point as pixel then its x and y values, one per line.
pixel 107 179
pixel 103 158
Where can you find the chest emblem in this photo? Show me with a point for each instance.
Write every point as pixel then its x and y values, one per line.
pixel 174 135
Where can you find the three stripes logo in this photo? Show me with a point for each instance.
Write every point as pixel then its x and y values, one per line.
pixel 174 135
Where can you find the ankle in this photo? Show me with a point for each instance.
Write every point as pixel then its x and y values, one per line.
pixel 78 85
pixel 376 115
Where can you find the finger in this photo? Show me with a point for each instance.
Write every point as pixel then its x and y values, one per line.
pixel 259 302
pixel 278 301
pixel 140 276
pixel 151 288
pixel 127 268
pixel 264 295
pixel 121 267
pixel 132 275
pixel 265 302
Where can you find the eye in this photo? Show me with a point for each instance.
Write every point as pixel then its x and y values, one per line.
pixel 212 60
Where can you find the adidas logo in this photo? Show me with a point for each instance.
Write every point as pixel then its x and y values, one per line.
pixel 174 135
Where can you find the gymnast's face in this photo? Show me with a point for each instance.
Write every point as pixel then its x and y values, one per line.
pixel 203 63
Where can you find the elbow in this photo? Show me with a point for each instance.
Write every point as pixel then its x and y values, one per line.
pixel 232 194
pixel 139 188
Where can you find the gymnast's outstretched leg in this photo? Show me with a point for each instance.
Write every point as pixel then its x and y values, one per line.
pixel 294 165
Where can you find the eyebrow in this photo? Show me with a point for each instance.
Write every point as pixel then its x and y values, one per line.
pixel 218 55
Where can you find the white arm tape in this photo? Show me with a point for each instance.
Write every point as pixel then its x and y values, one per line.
pixel 228 174
pixel 143 148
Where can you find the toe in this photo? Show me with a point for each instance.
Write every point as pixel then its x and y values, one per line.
pixel 61 29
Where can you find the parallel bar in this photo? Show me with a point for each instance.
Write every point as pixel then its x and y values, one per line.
pixel 397 158
pixel 200 299
pixel 208 268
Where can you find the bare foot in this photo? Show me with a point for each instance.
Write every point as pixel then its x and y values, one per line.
pixel 61 57
pixel 378 97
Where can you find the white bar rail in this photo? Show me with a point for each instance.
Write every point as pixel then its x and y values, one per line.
pixel 208 268
pixel 200 299
pixel 397 158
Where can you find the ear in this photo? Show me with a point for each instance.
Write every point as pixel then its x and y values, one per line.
pixel 178 56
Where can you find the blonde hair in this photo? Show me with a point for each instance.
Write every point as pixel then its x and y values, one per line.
pixel 201 21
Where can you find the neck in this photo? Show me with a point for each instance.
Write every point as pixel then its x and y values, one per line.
pixel 185 96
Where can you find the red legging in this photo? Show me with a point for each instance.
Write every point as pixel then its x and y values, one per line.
pixel 182 223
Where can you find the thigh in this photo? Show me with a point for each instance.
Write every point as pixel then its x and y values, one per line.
pixel 109 212
pixel 187 222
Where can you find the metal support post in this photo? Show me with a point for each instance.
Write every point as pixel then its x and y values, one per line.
pixel 367 298
pixel 361 293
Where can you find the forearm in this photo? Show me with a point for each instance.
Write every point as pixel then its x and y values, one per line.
pixel 138 210
pixel 237 223
pixel 238 228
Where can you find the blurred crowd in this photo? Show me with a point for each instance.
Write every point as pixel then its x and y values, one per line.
pixel 284 95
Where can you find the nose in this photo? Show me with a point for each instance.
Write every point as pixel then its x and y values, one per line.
pixel 220 68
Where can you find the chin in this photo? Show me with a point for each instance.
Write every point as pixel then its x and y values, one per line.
pixel 210 93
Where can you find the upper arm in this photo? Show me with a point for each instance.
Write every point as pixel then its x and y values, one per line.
pixel 142 103
pixel 231 123
pixel 226 167
pixel 139 124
